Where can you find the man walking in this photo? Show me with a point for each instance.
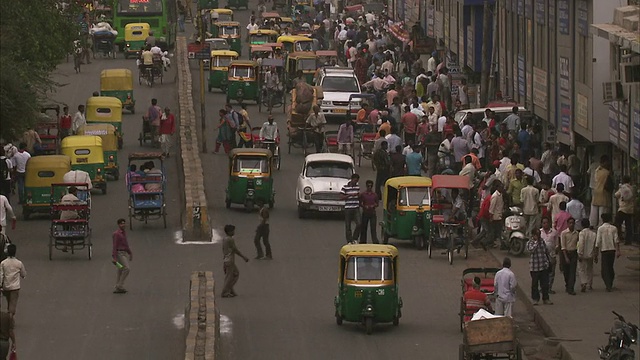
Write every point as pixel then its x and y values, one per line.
pixel 369 202
pixel 153 117
pixel 529 196
pixel 603 185
pixel 382 166
pixel 586 252
pixel 262 232
pixel 121 255
pixel 7 324
pixel 569 247
pixel 79 120
pixel 625 209
pixel 538 268
pixel 505 287
pixel 229 252
pixel 167 129
pixel 11 271
pixel 550 238
pixel 496 208
pixel 351 194
pixel 608 244
pixel 19 161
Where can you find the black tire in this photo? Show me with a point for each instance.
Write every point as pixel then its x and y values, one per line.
pixel 133 110
pixel 90 251
pixel 116 175
pixel 396 320
pixel 466 249
pixel 368 325
pixel 301 212
pixel 164 217
pixel 418 242
pixel 104 189
pixel 450 256
pixel 227 204
pixel 517 247
pixel 461 352
pixel 338 319
pixel 50 248
pixel 26 214
pixel 429 248
pixel 519 354
pixel 462 308
pixel 130 216
pixel 140 138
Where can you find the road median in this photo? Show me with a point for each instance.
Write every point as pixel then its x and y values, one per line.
pixel 202 319
pixel 195 217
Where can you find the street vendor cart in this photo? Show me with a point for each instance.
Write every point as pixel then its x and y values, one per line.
pixel 493 338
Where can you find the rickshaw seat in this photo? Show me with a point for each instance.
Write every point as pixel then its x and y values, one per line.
pixel 437 219
pixel 368 136
pixel 486 285
pixel 70 221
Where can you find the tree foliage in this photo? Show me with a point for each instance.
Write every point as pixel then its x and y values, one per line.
pixel 35 36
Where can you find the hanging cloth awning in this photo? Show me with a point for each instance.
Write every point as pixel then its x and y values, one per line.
pixel 399 32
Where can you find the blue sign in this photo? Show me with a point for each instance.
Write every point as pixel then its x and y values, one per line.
pixel 521 76
pixel 582 18
pixel 564 17
pixel 540 13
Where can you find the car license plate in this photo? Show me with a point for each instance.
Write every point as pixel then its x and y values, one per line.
pixel 329 208
pixel 340 111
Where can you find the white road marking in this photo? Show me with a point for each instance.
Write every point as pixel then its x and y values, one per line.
pixel 225 325
pixel 216 237
pixel 178 321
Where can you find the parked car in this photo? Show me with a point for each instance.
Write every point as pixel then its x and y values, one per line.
pixel 337 86
pixel 320 182
pixel 501 112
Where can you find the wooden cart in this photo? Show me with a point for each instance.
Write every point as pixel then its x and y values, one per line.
pixel 490 339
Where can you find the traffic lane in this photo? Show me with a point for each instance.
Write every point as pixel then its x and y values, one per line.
pixel 73 295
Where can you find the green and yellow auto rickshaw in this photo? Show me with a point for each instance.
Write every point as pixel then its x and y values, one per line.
pixel 41 172
pixel 406 203
pixel 105 110
pixel 86 154
pixel 293 43
pixel 304 61
pixel 109 138
pixel 368 285
pixel 118 83
pixel 244 82
pixel 262 36
pixel 220 14
pixel 229 30
pixel 219 68
pixel 250 178
pixel 135 35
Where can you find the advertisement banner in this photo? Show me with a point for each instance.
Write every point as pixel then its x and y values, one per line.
pixel 540 87
pixel 635 143
pixel 431 14
pixel 540 12
pixel 564 17
pixel 582 18
pixel 582 111
pixel 521 76
pixel 614 130
pixel 565 95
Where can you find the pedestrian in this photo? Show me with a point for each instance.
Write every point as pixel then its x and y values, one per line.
pixel 625 210
pixel 550 237
pixel 369 201
pixel 553 205
pixel 538 268
pixel 530 196
pixel 121 255
pixel 603 186
pixel 496 209
pixel 244 128
pixel 182 13
pixel 351 194
pixel 229 252
pixel 575 208
pixel 6 168
pixel 153 117
pixel 414 161
pixel 33 141
pixel 225 132
pixel 398 162
pixel 167 129
pixel 65 123
pixel 382 166
pixel 608 245
pixel 19 161
pixel 564 179
pixel 586 252
pixel 262 232
pixel 505 285
pixel 513 120
pixel 569 256
pixel 316 122
pixel 561 221
pixel 79 120
pixel 514 190
pixel 7 334
pixel 11 271
pixel 234 116
pixel 6 212
pixel 345 137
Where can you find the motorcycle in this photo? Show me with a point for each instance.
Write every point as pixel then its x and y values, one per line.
pixel 622 335
pixel 513 237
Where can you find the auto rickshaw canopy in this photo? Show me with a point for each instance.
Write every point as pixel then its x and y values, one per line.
pixel 263 32
pixel 103 109
pixel 250 152
pixel 136 31
pixel 81 141
pixel 271 15
pixel 116 79
pixel 261 48
pixel 403 182
pixel 106 132
pixel 368 250
pixel 225 25
pixel 49 167
pixel 450 182
pixel 222 11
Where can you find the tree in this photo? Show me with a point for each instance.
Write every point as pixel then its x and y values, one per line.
pixel 35 36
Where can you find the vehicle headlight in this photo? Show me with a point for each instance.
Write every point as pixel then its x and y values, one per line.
pixel 326 103
pixel 369 308
pixel 307 190
pixel 250 192
pixel 415 228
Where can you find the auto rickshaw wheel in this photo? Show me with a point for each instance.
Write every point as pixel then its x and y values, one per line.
pixel 368 325
pixel 338 319
pixel 461 354
pixel 104 189
pixel 466 249
pixel 518 355
pixel 396 320
pixel 164 216
pixel 116 175
pixel 450 256
pixel 26 214
pixel 271 204
pixel 90 252
pixel 133 110
pixel 50 248
pixel 461 314
pixel 228 203
pixel 418 241
pixel 130 217
pixel 429 247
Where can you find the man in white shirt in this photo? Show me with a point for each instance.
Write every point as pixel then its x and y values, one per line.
pixel 78 177
pixel 505 286
pixel 78 120
pixel 468 170
pixel 586 252
pixel 530 196
pixel 432 63
pixel 6 211
pixel 554 201
pixel 442 121
pixel 577 211
pixel 608 244
pixel 370 17
pixel 513 120
pixel 563 178
pixel 269 132
pixel 11 270
pixel 496 208
pixel 19 161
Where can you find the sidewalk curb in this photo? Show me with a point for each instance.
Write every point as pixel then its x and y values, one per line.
pixel 537 317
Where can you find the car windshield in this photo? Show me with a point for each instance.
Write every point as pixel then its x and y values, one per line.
pixel 304 46
pixel 251 164
pixel 414 196
pixel 329 169
pixel 369 268
pixel 340 84
pixel 307 64
pixel 223 60
pixel 243 72
pixel 219 45
pixel 229 30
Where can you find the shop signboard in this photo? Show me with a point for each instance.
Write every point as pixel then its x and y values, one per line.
pixel 540 87
pixel 635 143
pixel 564 17
pixel 565 95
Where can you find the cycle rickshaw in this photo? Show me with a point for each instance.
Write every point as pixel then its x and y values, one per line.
pixel 70 230
pixel 147 188
pixel 260 143
pixel 270 98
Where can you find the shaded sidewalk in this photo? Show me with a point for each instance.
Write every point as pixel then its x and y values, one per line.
pixel 578 322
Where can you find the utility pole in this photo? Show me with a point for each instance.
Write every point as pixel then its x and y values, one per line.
pixel 484 75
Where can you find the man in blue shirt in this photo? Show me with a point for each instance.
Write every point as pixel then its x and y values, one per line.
pixel 524 138
pixel 414 162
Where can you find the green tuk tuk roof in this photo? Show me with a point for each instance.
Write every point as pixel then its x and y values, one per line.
pixel 368 250
pixel 250 152
pixel 408 181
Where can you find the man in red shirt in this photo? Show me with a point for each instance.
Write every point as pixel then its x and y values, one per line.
pixel 167 128
pixel 483 219
pixel 474 300
pixel 65 123
pixel 121 255
pixel 410 123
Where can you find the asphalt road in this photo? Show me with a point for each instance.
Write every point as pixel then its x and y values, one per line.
pixel 285 307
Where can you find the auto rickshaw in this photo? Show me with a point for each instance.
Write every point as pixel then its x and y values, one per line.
pixel 41 172
pixel 368 285
pixel 118 83
pixel 295 43
pixel 262 36
pixel 105 110
pixel 406 213
pixel 244 82
pixel 229 30
pixel 220 60
pixel 135 35
pixel 237 4
pixel 304 61
pixel 223 15
pixel 327 57
pixel 217 44
pixel 450 233
pixel 260 52
pixel 86 154
pixel 286 22
pixel 250 178
pixel 109 138
pixel 271 16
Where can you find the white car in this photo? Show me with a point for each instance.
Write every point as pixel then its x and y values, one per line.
pixel 321 181
pixel 337 85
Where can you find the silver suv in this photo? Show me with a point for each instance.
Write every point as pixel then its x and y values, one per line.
pixel 337 85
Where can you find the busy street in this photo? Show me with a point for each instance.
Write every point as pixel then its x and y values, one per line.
pixel 365 209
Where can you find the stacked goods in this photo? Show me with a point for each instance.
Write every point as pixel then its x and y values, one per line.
pixel 304 98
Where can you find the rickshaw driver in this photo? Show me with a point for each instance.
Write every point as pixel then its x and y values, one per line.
pixel 368 269
pixel 78 176
pixel 269 133
pixel 158 55
pixel 70 199
pixel 474 299
pixel 272 81
pixel 147 60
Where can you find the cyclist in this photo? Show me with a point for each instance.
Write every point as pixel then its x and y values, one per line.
pixel 269 133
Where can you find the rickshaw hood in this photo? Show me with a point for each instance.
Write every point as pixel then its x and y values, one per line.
pixel 450 181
